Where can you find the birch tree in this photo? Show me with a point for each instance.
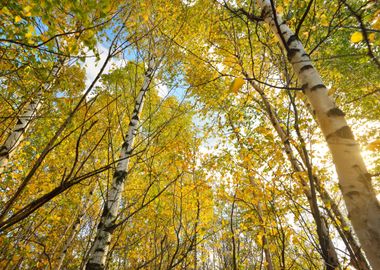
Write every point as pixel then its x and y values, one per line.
pixel 27 37
pixel 25 119
pixel 355 181
pixel 103 237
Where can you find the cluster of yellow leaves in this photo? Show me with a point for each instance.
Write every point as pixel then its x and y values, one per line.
pixel 356 37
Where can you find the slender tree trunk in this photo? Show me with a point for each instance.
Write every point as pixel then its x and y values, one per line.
pixel 198 216
pixel 75 225
pixel 233 240
pixel 354 179
pixel 99 250
pixel 46 150
pixel 328 250
pixel 23 121
pixel 268 255
pixel 195 252
pixel 357 257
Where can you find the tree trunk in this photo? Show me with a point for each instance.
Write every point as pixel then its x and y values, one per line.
pixel 354 179
pixel 74 231
pixel 357 257
pixel 268 255
pixel 23 121
pixel 233 240
pixel 99 250
pixel 328 250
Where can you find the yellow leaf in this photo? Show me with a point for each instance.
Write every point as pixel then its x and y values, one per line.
pixel 6 11
pixel 356 37
pixel 324 20
pixel 27 8
pixel 27 12
pixel 44 38
pixel 274 40
pixel 236 85
pixel 295 240
pixel 146 17
pixel 17 19
pixel 246 158
pixel 374 146
pixel 30 32
pixel 332 91
pixel 371 37
pixel 259 239
pixel 376 24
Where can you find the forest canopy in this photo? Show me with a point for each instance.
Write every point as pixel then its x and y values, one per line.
pixel 190 134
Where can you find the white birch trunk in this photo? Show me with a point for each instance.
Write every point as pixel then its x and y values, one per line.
pixel 99 250
pixel 23 121
pixel 354 179
pixel 356 255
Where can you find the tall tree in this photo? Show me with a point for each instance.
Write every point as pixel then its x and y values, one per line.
pixel 101 244
pixel 355 181
pixel 25 118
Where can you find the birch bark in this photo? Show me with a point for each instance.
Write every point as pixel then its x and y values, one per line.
pixel 354 179
pixel 356 255
pixel 23 121
pixel 99 250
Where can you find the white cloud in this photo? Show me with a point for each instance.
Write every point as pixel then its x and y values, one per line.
pixel 93 67
pixel 162 89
